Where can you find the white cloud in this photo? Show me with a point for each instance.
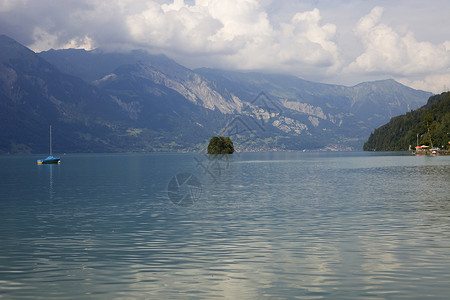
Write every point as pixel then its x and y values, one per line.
pixel 310 39
pixel 178 28
pixel 433 83
pixel 388 52
pixel 44 40
pixel 239 34
pixel 8 5
pixel 316 40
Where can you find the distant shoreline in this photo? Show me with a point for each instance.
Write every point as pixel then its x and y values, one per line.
pixel 428 152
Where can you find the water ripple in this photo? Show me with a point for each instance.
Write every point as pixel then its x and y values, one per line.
pixel 278 225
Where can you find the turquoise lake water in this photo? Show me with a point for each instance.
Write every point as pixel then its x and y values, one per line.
pixel 242 226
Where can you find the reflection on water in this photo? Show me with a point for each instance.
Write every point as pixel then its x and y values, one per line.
pixel 312 225
pixel 49 169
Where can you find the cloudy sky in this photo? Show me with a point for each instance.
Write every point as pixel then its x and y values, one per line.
pixel 331 41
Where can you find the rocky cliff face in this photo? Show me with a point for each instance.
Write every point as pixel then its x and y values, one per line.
pixel 188 84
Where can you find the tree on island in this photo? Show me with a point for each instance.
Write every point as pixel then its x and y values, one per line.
pixel 220 145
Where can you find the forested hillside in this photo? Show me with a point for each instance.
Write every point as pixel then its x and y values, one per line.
pixel 426 125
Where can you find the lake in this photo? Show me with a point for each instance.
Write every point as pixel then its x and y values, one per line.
pixel 312 225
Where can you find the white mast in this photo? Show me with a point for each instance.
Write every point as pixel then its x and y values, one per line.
pixel 50 140
pixel 431 142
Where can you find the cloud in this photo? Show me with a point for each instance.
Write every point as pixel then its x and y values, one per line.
pixel 45 40
pixel 233 34
pixel 388 52
pixel 312 39
pixel 437 83
pixel 180 28
pixel 239 34
pixel 315 41
pixel 8 5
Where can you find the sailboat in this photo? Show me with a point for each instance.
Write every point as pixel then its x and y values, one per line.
pixel 50 159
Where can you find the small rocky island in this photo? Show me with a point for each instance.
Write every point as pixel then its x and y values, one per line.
pixel 220 145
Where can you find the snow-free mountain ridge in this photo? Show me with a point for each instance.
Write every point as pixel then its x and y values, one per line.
pixel 114 102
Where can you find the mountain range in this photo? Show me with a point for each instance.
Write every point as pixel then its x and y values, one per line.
pixel 98 101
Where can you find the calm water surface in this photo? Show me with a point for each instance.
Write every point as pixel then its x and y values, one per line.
pixel 253 225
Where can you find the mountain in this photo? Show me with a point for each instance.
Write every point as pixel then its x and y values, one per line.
pixel 90 65
pixel 431 120
pixel 311 115
pixel 338 114
pixel 34 94
pixel 99 101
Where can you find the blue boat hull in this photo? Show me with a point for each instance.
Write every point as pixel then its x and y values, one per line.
pixel 49 160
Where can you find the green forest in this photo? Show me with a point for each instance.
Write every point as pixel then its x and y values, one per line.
pixel 427 125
